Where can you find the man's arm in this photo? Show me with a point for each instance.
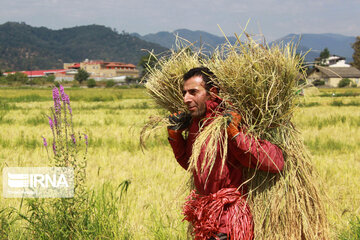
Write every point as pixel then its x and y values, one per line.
pixel 261 154
pixel 178 145
pixel 178 122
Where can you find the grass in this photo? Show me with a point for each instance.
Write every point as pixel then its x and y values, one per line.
pixel 341 103
pixel 353 232
pixel 151 207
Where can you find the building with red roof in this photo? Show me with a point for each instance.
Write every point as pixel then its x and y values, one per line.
pixel 40 73
pixel 99 69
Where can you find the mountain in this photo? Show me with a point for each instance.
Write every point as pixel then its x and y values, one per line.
pixel 336 43
pixel 23 47
pixel 168 39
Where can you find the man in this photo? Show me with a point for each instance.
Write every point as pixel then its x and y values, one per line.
pixel 218 209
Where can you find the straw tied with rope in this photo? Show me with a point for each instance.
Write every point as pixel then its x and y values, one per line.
pixel 217 208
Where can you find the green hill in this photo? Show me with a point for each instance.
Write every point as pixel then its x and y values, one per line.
pixel 23 47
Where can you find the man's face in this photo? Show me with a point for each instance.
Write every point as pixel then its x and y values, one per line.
pixel 195 96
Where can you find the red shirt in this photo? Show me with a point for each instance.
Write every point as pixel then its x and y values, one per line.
pixel 243 152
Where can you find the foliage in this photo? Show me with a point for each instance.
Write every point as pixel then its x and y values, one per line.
pixel 26 47
pixel 103 216
pixel 50 78
pixel 7 219
pixel 17 77
pixel 318 82
pixel 344 82
pixel 324 53
pixel 356 54
pixel 89 214
pixel 147 62
pixel 110 83
pixel 353 233
pixel 3 80
pixel 62 215
pixel 132 80
pixel 37 81
pixel 81 75
pixel 91 83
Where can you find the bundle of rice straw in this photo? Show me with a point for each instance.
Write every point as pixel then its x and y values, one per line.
pixel 260 83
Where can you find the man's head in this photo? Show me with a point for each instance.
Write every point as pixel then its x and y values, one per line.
pixel 198 88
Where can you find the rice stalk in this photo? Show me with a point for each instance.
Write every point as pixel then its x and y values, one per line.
pixel 215 142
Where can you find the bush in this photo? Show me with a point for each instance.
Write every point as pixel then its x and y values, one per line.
pixel 36 81
pixel 57 84
pixel 17 77
pixel 344 82
pixel 50 78
pixel 91 83
pixel 3 80
pixel 302 82
pixel 110 83
pixel 132 80
pixel 318 82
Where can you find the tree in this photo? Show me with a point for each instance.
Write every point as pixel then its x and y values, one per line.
pixel 82 75
pixel 356 54
pixel 147 62
pixel 324 54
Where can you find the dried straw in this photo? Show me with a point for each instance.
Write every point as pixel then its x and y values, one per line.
pixel 261 84
pixel 165 81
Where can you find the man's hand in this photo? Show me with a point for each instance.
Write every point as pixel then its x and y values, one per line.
pixel 233 124
pixel 179 121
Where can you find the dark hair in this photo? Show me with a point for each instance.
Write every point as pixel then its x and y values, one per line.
pixel 205 73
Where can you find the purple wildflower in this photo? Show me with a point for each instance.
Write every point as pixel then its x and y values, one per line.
pixel 51 123
pixel 67 100
pixel 62 92
pixel 73 138
pixel 44 141
pixel 86 139
pixel 56 97
pixel 54 147
pixel 55 120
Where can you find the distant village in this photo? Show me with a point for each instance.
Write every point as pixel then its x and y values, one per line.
pixel 328 72
pixel 97 69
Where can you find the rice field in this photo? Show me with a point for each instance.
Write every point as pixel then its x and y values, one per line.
pixel 151 206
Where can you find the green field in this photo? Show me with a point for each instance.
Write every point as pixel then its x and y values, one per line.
pixel 151 207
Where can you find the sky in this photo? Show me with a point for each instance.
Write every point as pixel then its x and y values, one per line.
pixel 271 18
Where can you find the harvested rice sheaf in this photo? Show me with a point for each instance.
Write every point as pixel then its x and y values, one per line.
pixel 261 85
